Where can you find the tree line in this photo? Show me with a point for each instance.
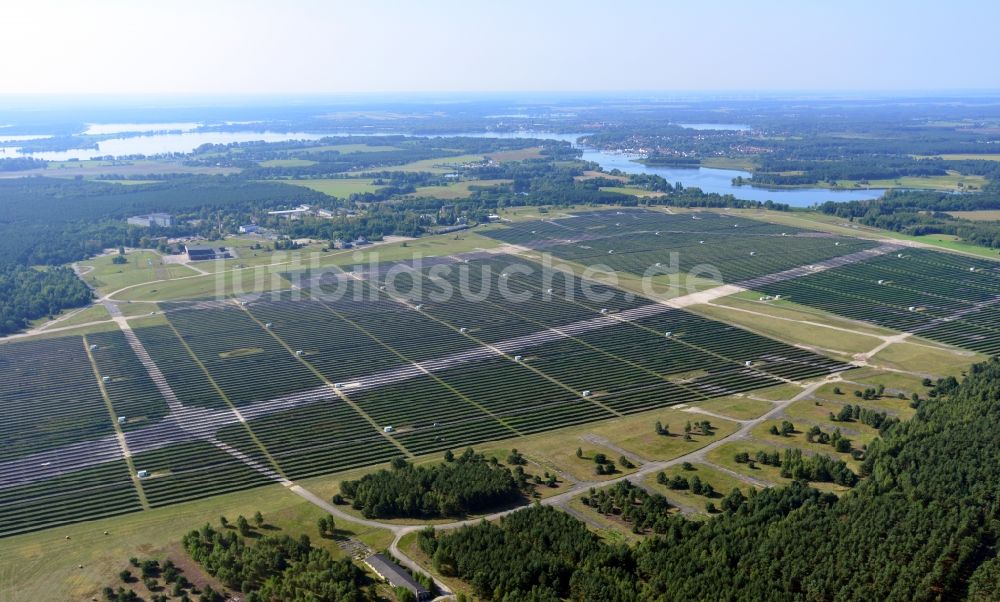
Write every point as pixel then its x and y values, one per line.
pixel 921 525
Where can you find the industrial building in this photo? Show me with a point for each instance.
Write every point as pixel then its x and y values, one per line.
pixel 200 253
pixel 162 220
pixel 396 575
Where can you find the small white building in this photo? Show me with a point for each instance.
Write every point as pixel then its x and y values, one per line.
pixel 388 429
pixel 150 220
pixel 142 474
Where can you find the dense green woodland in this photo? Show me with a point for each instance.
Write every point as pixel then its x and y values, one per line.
pixel 920 213
pixel 463 484
pixel 276 567
pixel 45 221
pixel 921 526
pixel 28 294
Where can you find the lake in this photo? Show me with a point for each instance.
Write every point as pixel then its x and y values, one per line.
pixel 709 180
pixel 721 181
pixel 163 143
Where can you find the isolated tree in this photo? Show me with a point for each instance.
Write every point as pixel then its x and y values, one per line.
pixel 242 525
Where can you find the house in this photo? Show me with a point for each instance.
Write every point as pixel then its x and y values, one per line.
pixel 249 229
pixel 153 219
pixel 396 576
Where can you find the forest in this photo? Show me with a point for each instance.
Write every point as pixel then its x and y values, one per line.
pixel 28 294
pixel 458 486
pixel 922 525
pixel 920 213
pixel 275 567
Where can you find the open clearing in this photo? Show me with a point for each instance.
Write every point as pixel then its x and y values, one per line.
pixel 458 190
pixel 337 187
pixel 985 215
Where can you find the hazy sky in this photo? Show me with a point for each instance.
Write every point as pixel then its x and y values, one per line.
pixel 304 46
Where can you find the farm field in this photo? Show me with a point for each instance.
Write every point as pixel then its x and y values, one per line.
pixel 639 192
pixel 440 165
pixel 965 156
pixel 287 163
pixel 337 187
pixel 985 215
pixel 457 190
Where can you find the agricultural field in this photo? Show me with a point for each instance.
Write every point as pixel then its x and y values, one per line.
pixel 985 215
pixel 440 165
pixel 287 163
pixel 337 187
pixel 457 190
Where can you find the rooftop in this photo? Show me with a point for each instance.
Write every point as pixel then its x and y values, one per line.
pixel 396 575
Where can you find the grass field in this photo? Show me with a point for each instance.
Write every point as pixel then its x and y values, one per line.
pixel 337 187
pixel 287 163
pixel 963 156
pixel 142 266
pixel 441 165
pixel 516 155
pixel 639 192
pixel 985 215
pixel 46 565
pixel 457 190
pixel 740 407
pixel 952 181
pixel 75 317
pixel 346 148
pixel 721 482
pixel 737 163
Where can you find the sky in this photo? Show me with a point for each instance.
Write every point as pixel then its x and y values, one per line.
pixel 249 47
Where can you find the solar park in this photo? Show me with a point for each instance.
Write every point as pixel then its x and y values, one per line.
pixel 350 369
